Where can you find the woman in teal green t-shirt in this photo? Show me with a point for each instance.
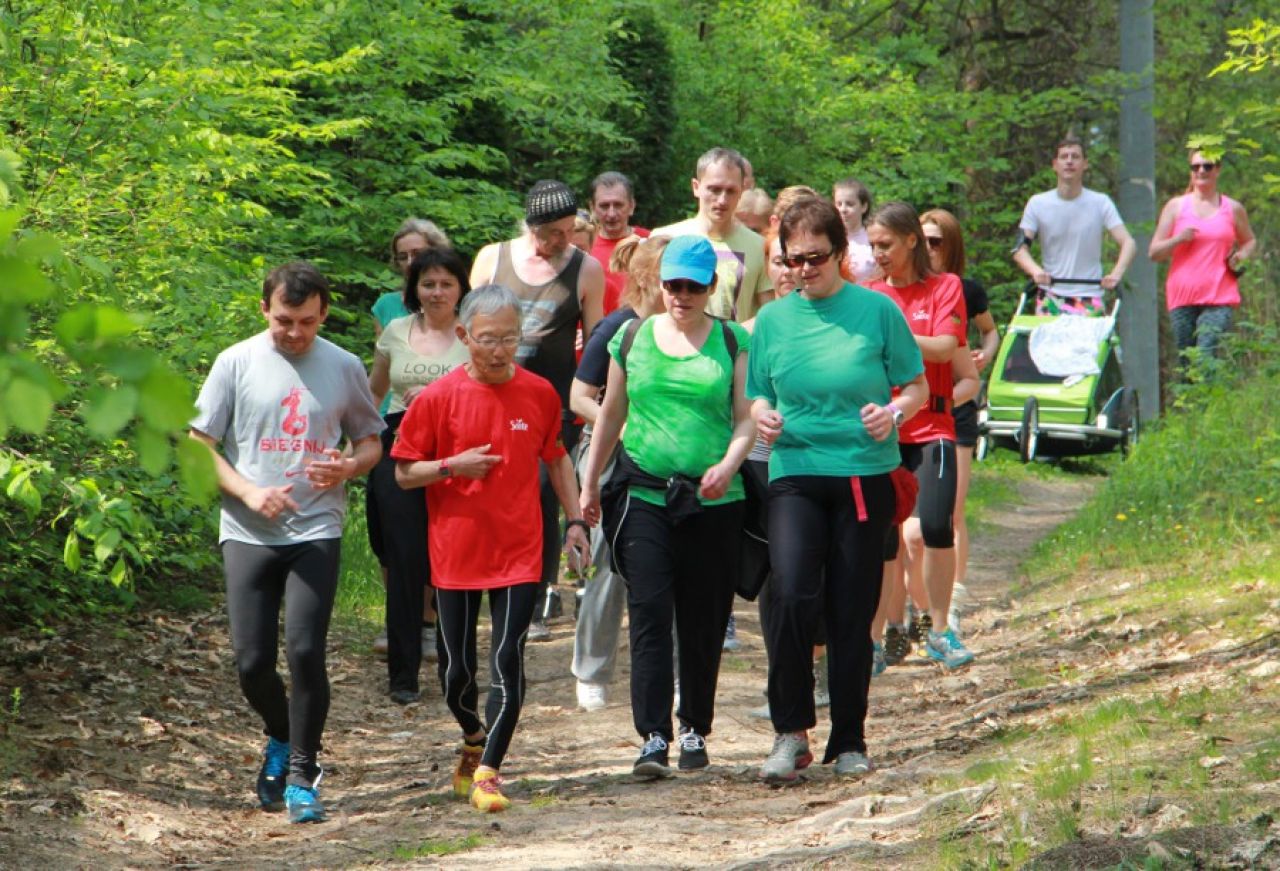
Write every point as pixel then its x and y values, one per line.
pixel 676 380
pixel 824 362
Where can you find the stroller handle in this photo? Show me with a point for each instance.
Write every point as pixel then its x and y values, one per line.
pixel 1032 287
pixel 1055 280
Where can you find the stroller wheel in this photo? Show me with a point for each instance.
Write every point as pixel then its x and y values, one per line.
pixel 1129 432
pixel 1029 431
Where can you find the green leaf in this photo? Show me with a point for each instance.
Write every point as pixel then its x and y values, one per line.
pixel 94 323
pixel 106 545
pixel 119 573
pixel 131 364
pixel 22 491
pixel 154 451
pixel 22 281
pixel 111 323
pixel 75 326
pixel 28 405
pixel 107 409
pixel 39 246
pixel 165 401
pixel 71 551
pixel 195 466
pixel 8 221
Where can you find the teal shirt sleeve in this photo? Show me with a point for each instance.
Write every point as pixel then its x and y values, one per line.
pixel 743 337
pixel 759 384
pixel 389 307
pixel 902 359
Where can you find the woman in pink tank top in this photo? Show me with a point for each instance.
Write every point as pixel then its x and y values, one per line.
pixel 1206 235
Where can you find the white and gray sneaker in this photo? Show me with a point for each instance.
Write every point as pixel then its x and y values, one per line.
pixel 591 696
pixel 790 753
pixel 852 764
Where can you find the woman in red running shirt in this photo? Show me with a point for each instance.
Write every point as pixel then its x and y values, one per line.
pixel 933 304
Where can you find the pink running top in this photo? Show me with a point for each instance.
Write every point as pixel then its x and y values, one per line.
pixel 1198 273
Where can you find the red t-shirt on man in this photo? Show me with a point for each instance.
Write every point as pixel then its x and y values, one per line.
pixel 932 307
pixel 614 282
pixel 485 533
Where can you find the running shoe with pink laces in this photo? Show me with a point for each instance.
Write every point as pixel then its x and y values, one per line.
pixel 486 792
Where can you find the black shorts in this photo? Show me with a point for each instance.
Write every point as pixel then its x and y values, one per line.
pixel 966 417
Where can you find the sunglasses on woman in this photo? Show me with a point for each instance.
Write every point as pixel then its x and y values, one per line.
pixel 933 241
pixel 796 261
pixel 1203 167
pixel 685 285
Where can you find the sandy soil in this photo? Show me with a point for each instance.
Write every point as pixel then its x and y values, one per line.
pixel 132 748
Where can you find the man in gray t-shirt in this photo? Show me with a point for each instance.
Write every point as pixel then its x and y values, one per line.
pixel 1070 222
pixel 279 405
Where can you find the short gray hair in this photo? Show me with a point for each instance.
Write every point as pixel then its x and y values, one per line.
pixel 428 230
pixel 488 300
pixel 612 179
pixel 722 155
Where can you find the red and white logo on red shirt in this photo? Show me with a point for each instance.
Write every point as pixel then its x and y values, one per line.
pixel 518 425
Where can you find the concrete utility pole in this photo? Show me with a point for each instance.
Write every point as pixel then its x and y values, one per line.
pixel 1139 315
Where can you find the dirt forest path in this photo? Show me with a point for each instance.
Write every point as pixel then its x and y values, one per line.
pixel 132 748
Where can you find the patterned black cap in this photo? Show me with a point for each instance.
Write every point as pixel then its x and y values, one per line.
pixel 549 200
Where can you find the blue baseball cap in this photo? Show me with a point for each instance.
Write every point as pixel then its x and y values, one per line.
pixel 689 257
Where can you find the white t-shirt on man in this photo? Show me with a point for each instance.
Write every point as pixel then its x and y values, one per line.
pixel 1070 234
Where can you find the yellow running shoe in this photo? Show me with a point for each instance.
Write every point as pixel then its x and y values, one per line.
pixel 486 792
pixel 466 770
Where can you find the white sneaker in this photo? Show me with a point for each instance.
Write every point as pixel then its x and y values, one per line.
pixel 591 696
pixel 429 652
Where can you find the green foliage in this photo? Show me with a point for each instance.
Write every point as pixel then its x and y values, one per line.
pixel 1206 476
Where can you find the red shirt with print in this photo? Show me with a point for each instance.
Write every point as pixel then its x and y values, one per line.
pixel 485 533
pixel 932 307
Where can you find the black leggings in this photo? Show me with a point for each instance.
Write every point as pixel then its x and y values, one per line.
pixel 305 577
pixel 758 471
pixel 551 537
pixel 934 465
pixel 818 546
pixel 403 550
pixel 510 610
pixel 685 571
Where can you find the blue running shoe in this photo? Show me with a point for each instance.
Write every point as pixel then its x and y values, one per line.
pixel 304 804
pixel 945 648
pixel 878 665
pixel 271 777
pixel 731 641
